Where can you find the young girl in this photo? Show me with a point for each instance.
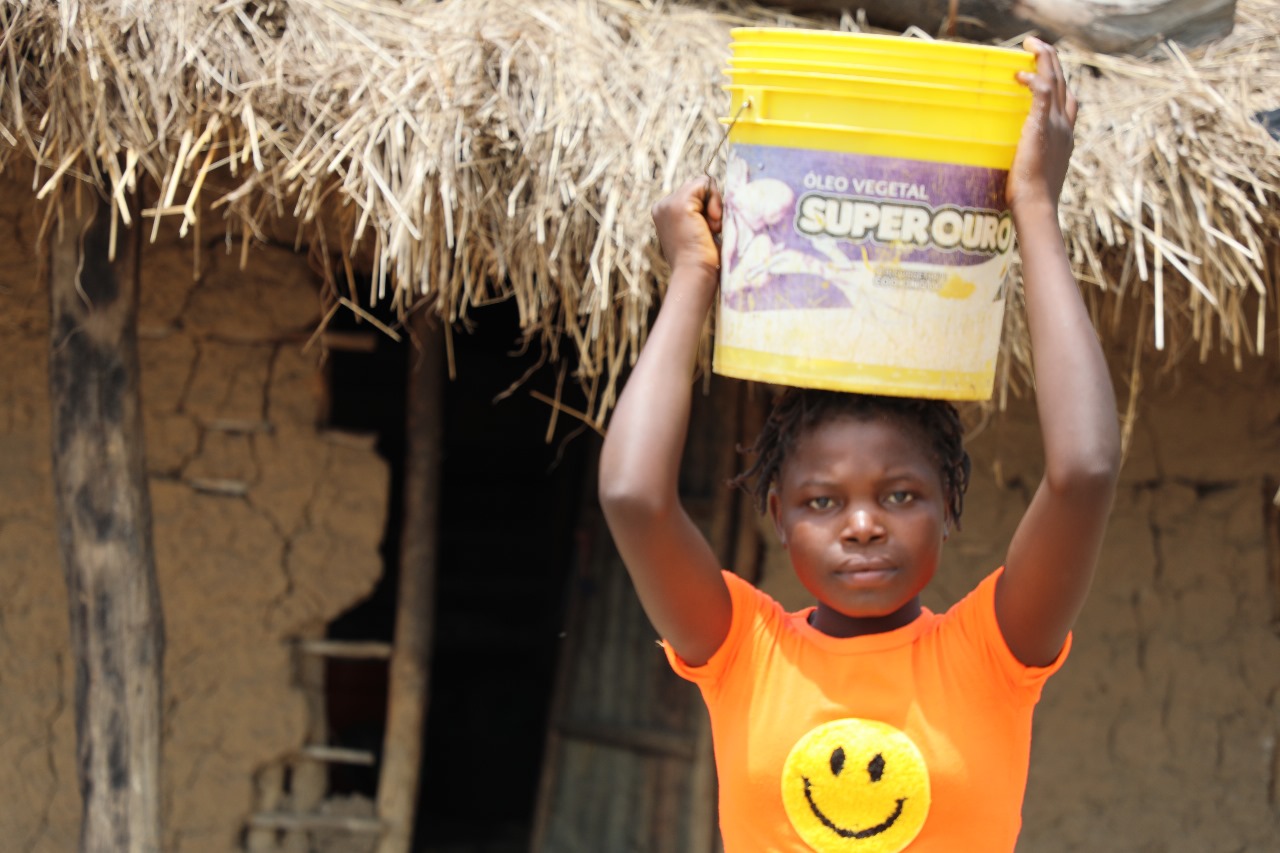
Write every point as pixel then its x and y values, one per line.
pixel 867 723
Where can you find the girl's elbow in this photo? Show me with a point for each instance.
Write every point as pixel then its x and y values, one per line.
pixel 612 492
pixel 1108 459
pixel 623 500
pixel 616 488
pixel 1093 475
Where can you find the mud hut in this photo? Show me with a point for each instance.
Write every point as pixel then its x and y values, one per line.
pixel 320 195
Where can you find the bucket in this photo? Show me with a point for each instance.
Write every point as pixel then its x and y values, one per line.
pixel 915 94
pixel 866 239
pixel 842 67
pixel 984 68
pixel 873 110
pixel 924 49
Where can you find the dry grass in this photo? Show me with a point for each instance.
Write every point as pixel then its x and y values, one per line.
pixel 1174 196
pixel 475 150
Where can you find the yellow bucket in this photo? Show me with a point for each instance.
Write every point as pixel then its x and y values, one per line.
pixel 866 237
pixel 887 56
pixel 752 103
pixel 916 94
pixel 861 70
pixel 867 141
pixel 923 49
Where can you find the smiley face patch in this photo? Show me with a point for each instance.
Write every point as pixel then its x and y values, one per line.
pixel 856 786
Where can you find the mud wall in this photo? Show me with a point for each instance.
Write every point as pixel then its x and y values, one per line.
pixel 1159 734
pixel 265 528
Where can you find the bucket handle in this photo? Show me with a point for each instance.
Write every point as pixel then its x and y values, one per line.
pixel 706 170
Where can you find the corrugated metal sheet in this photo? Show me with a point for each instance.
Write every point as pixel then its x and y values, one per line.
pixel 629 764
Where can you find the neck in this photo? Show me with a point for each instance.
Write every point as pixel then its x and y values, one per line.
pixel 833 623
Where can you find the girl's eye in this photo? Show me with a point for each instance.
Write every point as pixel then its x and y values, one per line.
pixel 820 503
pixel 900 497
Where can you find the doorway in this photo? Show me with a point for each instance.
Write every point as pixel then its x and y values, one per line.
pixel 509 502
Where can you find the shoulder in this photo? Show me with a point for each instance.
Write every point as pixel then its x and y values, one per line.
pixel 968 635
pixel 755 614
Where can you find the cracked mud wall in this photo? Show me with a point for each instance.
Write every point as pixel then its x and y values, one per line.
pixel 265 529
pixel 1160 732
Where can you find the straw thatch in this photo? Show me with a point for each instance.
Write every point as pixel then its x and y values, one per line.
pixel 1174 189
pixel 475 150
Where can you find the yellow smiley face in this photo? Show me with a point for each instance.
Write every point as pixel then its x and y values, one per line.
pixel 856 786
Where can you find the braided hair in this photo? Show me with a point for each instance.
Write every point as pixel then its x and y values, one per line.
pixel 798 410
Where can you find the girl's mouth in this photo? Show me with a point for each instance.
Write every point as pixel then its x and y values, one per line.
pixel 869 574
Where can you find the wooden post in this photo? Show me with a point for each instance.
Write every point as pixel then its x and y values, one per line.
pixel 104 528
pixel 415 593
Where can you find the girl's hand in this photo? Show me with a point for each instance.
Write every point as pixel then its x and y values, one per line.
pixel 686 221
pixel 1044 150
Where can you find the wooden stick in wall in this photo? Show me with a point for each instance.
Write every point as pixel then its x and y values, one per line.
pixel 415 597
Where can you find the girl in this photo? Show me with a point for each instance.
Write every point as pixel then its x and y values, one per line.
pixel 866 722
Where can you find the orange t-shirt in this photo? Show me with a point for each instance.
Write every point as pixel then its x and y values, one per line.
pixel 917 738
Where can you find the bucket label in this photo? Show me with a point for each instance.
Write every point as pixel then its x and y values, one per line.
pixel 803 228
pixel 915 253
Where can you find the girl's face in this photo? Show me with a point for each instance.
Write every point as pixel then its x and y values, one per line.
pixel 860 507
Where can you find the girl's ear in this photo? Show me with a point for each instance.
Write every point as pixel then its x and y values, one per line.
pixel 775 512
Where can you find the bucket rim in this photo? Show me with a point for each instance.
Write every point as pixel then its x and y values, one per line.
pixel 855 131
pixel 1013 59
pixel 862 72
pixel 1018 102
pixel 972 70
pixel 800 34
pixel 791 90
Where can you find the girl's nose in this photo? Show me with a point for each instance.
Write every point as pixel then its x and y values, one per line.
pixel 863 525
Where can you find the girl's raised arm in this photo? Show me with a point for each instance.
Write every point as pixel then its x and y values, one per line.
pixel 1054 552
pixel 675 572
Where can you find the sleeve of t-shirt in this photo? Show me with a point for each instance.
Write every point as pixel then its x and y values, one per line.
pixel 975 619
pixel 746 604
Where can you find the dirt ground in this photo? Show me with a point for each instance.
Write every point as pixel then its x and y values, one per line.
pixel 231 403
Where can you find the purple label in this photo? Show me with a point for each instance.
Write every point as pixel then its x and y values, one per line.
pixel 797 219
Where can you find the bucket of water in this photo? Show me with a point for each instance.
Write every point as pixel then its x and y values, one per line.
pixel 866 238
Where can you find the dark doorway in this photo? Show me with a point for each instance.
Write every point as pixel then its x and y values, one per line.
pixel 509 508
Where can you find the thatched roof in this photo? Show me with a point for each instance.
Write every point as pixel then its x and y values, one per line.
pixel 473 150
